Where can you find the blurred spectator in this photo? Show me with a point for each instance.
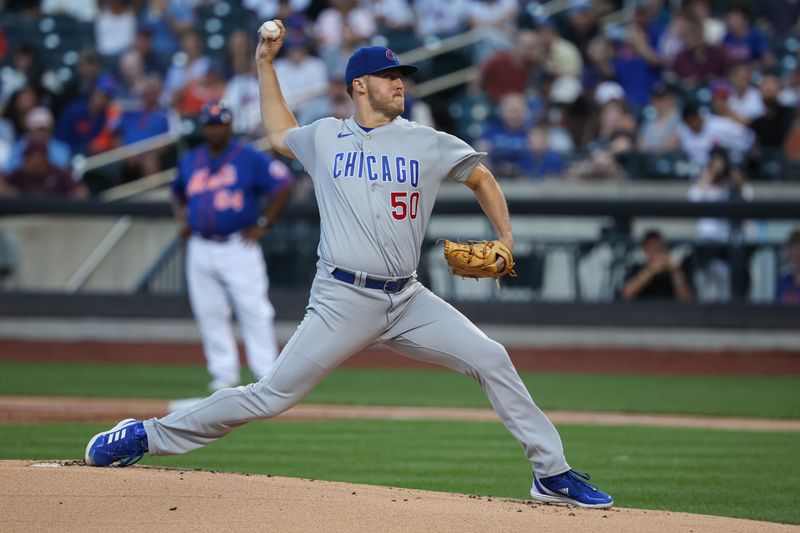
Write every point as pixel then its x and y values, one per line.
pixel 294 17
pixel 336 58
pixel 337 104
pixel 132 79
pixel 302 76
pixel 581 27
pixel 673 40
pixel 783 16
pixel 165 21
pixel 613 133
pixel 393 15
pixel 153 61
pixel 37 176
pixel 440 18
pixel 506 140
pixel 26 69
pixel 698 62
pixel 21 103
pixel 88 71
pixel 713 28
pixel 201 90
pixel 742 42
pixel 241 92
pixel 787 289
pixel 562 58
pixel 659 130
pixel 270 9
pixel 773 126
pixel 541 161
pixel 83 10
pixel 720 181
pixel 115 28
pixel 700 134
pixel 635 65
pixel 189 64
pixel 744 103
pixel 495 19
pixel 135 125
pixel 510 71
pixel 659 277
pixel 567 114
pixel 86 124
pixel 612 116
pixel 331 22
pixel 39 125
pixel 148 119
pixel 654 15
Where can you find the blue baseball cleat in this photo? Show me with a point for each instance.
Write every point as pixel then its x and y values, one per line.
pixel 569 488
pixel 123 444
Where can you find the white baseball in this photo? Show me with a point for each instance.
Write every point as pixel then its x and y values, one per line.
pixel 269 30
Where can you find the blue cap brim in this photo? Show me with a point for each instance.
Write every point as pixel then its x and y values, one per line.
pixel 406 69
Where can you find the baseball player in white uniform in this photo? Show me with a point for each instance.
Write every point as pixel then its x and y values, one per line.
pixel 376 176
pixel 217 195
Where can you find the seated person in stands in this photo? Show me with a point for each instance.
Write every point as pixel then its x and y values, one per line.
pixel 659 131
pixel 39 125
pixel 147 120
pixel 506 140
pixel 787 290
pixel 37 176
pixel 660 277
pixel 541 160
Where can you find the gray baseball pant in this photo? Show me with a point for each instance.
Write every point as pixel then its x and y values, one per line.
pixel 342 319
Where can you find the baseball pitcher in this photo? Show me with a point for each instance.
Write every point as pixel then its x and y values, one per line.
pixel 376 176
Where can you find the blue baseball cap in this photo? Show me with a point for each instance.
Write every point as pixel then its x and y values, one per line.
pixel 371 60
pixel 216 112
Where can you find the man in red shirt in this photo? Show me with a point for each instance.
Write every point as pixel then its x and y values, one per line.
pixel 698 63
pixel 508 71
pixel 37 176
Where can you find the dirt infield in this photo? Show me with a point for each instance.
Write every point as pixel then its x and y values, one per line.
pixel 65 496
pixel 584 360
pixel 42 409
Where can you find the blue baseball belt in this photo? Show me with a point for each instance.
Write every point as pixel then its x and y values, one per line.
pixel 390 286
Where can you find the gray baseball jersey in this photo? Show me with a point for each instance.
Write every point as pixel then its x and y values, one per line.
pixel 376 189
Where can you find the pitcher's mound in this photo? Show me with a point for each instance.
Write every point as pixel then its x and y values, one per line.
pixel 67 496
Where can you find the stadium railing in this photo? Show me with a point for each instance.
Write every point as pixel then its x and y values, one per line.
pixel 291 247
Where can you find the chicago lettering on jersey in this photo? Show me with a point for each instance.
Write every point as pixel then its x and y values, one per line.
pixel 357 164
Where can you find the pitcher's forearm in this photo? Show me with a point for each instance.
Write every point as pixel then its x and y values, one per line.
pixel 276 116
pixel 493 203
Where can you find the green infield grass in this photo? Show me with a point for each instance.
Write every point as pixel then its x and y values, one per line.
pixel 756 396
pixel 743 474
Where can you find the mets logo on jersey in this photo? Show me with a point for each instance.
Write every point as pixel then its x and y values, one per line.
pixel 390 55
pixel 221 184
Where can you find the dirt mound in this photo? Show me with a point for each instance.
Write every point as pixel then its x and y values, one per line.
pixel 66 496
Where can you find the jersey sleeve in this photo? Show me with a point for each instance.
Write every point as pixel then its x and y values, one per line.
pixel 458 159
pixel 301 142
pixel 272 175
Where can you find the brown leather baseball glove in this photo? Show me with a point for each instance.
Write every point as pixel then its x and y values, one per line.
pixel 477 259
